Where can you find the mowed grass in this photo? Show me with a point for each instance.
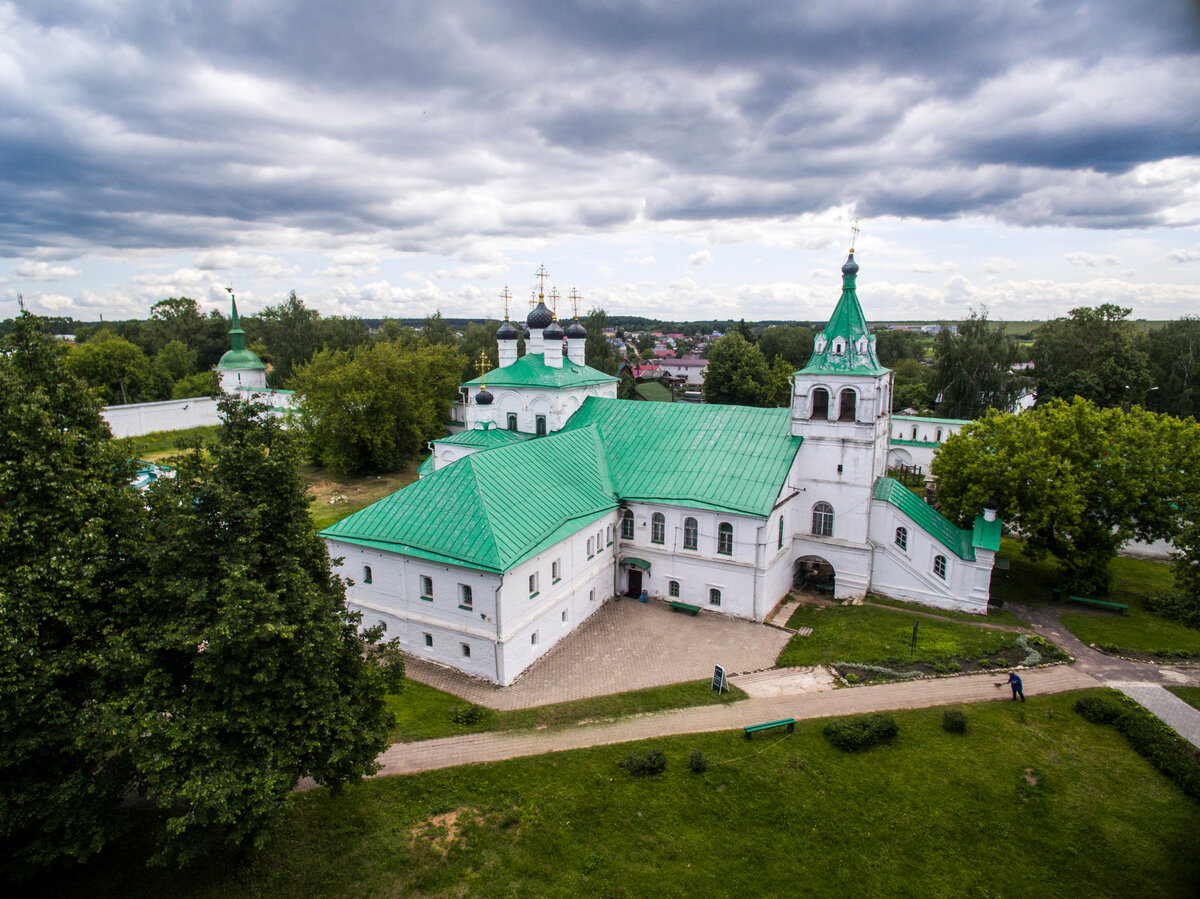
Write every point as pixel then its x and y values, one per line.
pixel 870 635
pixel 334 496
pixel 159 445
pixel 993 616
pixel 1031 801
pixel 1190 695
pixel 423 712
pixel 1137 631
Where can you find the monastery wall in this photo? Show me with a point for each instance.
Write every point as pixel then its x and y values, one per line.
pixel 135 419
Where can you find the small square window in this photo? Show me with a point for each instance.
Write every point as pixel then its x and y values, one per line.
pixel 673 588
pixel 429 640
pixel 466 650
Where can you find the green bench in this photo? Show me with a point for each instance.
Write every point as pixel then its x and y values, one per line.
pixel 751 729
pixel 677 606
pixel 826 588
pixel 1115 606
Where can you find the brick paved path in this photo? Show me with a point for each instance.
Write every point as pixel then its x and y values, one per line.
pixel 1167 706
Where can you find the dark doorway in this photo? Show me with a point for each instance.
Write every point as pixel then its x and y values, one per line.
pixel 635 583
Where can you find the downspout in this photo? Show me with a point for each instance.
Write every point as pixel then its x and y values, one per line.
pixel 760 549
pixel 499 676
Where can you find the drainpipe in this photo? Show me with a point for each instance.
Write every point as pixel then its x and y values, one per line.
pixel 759 560
pixel 499 677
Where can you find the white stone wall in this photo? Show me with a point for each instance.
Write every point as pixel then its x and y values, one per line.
pixel 233 381
pixel 135 419
pixel 527 403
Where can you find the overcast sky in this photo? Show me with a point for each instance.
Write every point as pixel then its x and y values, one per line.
pixel 667 158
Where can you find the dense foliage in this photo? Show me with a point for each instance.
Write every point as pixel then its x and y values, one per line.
pixel 1076 480
pixel 972 372
pixel 861 732
pixel 1092 353
pixel 738 374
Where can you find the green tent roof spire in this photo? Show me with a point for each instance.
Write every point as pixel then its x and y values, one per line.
pixel 238 357
pixel 846 345
pixel 236 334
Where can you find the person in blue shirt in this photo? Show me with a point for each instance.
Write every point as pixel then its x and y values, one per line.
pixel 1015 681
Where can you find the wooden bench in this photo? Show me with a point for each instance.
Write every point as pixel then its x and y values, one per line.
pixel 1115 606
pixel 826 588
pixel 677 606
pixel 789 723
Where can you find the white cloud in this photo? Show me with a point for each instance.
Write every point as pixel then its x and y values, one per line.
pixel 42 271
pixel 1191 254
pixel 1093 260
pixel 996 264
pixel 935 267
pixel 702 257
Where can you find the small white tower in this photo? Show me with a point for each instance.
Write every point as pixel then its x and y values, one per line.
pixel 506 335
pixel 239 367
pixel 576 334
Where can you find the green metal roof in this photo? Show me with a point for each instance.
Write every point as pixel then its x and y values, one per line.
pixel 239 360
pixel 484 438
pixel 531 370
pixel 926 517
pixel 896 441
pixel 987 534
pixel 726 458
pixel 482 512
pixel 848 323
pixel 426 466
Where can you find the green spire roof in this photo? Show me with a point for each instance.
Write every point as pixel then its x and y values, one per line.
pixel 837 347
pixel 238 358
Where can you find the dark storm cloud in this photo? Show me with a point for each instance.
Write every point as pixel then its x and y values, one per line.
pixel 190 124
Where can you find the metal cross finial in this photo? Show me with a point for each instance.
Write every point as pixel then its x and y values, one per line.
pixel 532 299
pixel 541 274
pixel 483 367
pixel 554 301
pixel 575 298
pixel 507 297
pixel 854 234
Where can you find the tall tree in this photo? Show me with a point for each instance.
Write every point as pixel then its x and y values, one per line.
pixel 114 365
pixel 1076 480
pixel 250 671
pixel 291 333
pixel 791 342
pixel 737 373
pixel 972 372
pixel 70 528
pixel 893 346
pixel 436 332
pixel 375 407
pixel 598 352
pixel 479 339
pixel 1092 353
pixel 1174 354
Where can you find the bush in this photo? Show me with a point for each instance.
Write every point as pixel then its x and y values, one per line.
pixel 954 666
pixel 1098 709
pixel 1174 605
pixel 466 714
pixel 954 721
pixel 644 765
pixel 697 762
pixel 984 663
pixel 862 732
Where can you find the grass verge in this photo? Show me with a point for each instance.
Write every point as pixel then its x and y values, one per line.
pixel 161 444
pixel 994 616
pixel 1031 800
pixel 424 713
pixel 1190 695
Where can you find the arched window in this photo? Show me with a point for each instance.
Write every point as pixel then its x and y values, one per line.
pixel 820 403
pixel 512 421
pixel 822 520
pixel 939 566
pixel 914 436
pixel 938 437
pixel 541 426
pixel 725 538
pixel 691 533
pixel 627 525
pixel 902 538
pixel 673 588
pixel 781 532
pixel 658 528
pixel 714 597
pixel 849 405
pixel 366 574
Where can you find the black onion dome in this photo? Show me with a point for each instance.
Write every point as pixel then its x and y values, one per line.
pixel 540 317
pixel 506 331
pixel 576 331
pixel 553 331
pixel 483 398
pixel 851 267
pixel 526 335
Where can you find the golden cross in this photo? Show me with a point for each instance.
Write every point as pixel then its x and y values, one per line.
pixel 541 274
pixel 532 299
pixel 854 232
pixel 575 298
pixel 483 367
pixel 507 297
pixel 554 301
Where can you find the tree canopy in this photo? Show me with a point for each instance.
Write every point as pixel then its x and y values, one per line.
pixel 1092 353
pixel 972 373
pixel 738 374
pixel 1076 480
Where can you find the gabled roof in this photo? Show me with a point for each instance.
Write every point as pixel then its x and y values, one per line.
pixel 849 324
pixel 531 370
pixel 484 438
pixel 928 519
pixel 727 458
pixel 481 513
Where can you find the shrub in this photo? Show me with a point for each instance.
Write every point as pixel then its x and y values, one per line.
pixel 862 732
pixel 954 721
pixel 954 666
pixel 852 678
pixel 466 714
pixel 644 764
pixel 1098 709
pixel 984 663
pixel 1174 605
pixel 697 762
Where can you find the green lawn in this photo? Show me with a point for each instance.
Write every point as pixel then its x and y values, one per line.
pixel 1137 631
pixel 333 497
pixel 1190 695
pixel 160 444
pixel 1031 801
pixel 870 635
pixel 423 713
pixel 994 616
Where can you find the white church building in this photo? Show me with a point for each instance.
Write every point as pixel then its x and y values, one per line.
pixel 558 496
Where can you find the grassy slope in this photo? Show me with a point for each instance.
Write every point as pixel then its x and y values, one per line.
pixel 994 616
pixel 1138 630
pixel 336 496
pixel 423 713
pixel 877 636
pixel 935 815
pixel 1190 695
pixel 160 444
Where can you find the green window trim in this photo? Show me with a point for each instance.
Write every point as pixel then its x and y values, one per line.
pixel 467 608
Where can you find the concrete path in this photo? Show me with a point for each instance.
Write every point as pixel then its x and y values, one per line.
pixel 427 755
pixel 1167 706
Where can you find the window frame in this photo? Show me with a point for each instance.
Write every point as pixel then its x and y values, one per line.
pixel 426 588
pixel 673 589
pixel 714 596
pixel 512 421
pixel 940 566
pixel 901 539
pixel 725 539
pixel 691 533
pixel 367 577
pixel 627 525
pixel 822 519
pixel 658 528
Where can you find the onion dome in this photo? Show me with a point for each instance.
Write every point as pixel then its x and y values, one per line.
pixel 540 317
pixel 526 334
pixel 851 267
pixel 483 398
pixel 506 331
pixel 553 331
pixel 576 331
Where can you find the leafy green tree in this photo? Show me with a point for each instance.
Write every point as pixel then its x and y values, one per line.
pixel 791 342
pixel 744 330
pixel 176 360
pixel 177 319
pixel 114 365
pixel 912 385
pixel 972 372
pixel 598 353
pixel 202 383
pixel 70 528
pixel 778 388
pixel 893 346
pixel 373 408
pixel 737 374
pixel 250 673
pixel 1174 354
pixel 291 331
pixel 437 332
pixel 1092 353
pixel 479 339
pixel 1076 480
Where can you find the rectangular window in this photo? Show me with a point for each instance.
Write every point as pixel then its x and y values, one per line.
pixel 673 589
pixel 533 639
pixel 658 528
pixel 714 597
pixel 512 421
pixel 427 588
pixel 781 532
pixel 564 616
pixel 627 525
pixel 533 585
pixel 556 570
pixel 608 534
pixel 366 574
pixel 466 650
pixel 465 600
pixel 541 426
pixel 725 539
pixel 902 538
pixel 589 548
pixel 591 595
pixel 429 640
